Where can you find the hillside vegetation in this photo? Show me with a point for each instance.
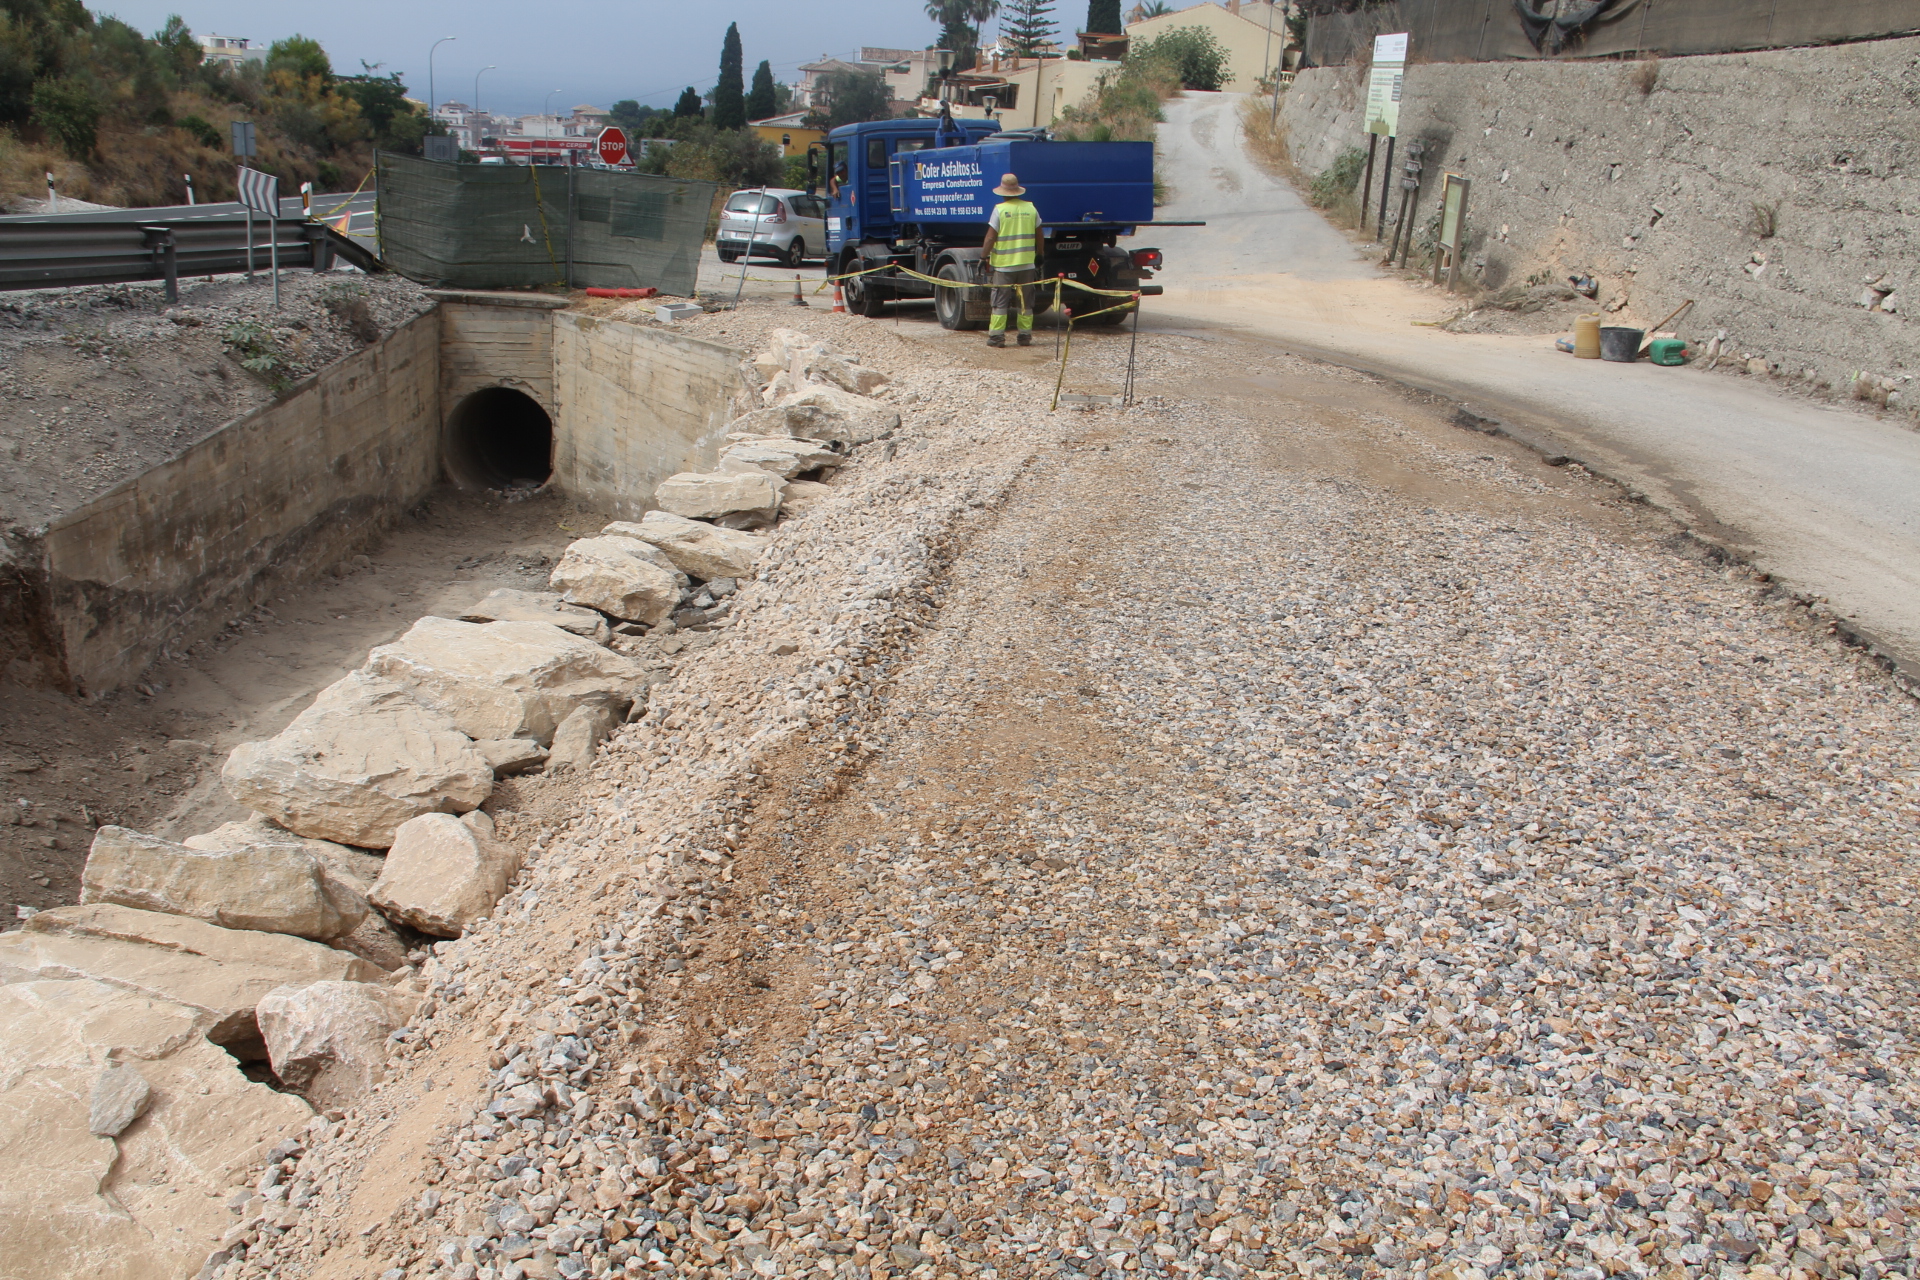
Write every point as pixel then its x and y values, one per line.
pixel 119 117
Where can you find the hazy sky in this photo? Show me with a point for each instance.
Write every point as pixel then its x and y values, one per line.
pixel 590 50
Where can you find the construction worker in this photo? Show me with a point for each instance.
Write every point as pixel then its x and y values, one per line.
pixel 1010 252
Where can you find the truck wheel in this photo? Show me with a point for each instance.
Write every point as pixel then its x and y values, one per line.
pixel 864 298
pixel 1107 320
pixel 951 303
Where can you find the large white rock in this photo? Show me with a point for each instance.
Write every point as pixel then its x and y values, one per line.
pixel 508 605
pixel 829 413
pixel 699 549
pixel 712 495
pixel 219 973
pixel 821 365
pixel 502 679
pixel 327 1041
pixel 444 873
pixel 621 578
pixel 784 456
pixel 276 890
pixel 147 1202
pixel 357 866
pixel 784 344
pixel 363 759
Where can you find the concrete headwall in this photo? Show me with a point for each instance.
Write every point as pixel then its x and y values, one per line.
pixel 173 554
pixel 1778 190
pixel 497 340
pixel 635 406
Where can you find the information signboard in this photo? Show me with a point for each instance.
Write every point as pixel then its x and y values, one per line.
pixel 1384 84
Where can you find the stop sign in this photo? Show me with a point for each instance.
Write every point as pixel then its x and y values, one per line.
pixel 613 146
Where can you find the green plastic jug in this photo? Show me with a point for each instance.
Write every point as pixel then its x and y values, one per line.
pixel 1668 351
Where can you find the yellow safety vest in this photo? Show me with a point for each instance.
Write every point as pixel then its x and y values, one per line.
pixel 1019 234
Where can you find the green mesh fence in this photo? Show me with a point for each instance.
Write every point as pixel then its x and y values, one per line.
pixel 473 226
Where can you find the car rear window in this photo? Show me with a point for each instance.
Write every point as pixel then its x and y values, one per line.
pixel 751 202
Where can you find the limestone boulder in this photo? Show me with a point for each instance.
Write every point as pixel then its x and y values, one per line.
pixel 804 493
pixel 579 737
pixel 98 1184
pixel 444 873
pixel 698 549
pixel 741 497
pixel 364 758
pixel 830 413
pixel 357 866
pixel 275 890
pixel 784 344
pixel 508 605
pixel 510 756
pixel 219 973
pixel 621 578
pixel 501 679
pixel 327 1041
pixel 821 365
pixel 784 456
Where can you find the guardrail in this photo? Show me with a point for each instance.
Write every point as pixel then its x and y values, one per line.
pixel 49 254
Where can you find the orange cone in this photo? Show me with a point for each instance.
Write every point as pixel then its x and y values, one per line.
pixel 839 300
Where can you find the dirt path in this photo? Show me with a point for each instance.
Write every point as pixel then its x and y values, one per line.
pixel 1267 832
pixel 150 757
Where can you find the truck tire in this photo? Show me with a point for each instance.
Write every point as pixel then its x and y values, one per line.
pixel 949 303
pixel 864 296
pixel 1108 319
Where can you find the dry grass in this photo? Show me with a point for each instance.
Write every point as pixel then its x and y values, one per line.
pixel 1266 140
pixel 141 166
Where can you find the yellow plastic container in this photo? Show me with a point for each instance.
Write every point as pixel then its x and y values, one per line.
pixel 1586 337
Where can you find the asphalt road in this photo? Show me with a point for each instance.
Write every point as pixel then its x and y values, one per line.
pixel 1827 499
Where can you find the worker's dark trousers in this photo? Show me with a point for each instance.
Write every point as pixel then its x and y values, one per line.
pixel 1010 287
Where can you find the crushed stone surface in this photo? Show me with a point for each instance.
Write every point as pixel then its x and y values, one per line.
pixel 1172 841
pixel 102 383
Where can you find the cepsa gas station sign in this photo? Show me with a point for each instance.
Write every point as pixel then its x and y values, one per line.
pixel 612 146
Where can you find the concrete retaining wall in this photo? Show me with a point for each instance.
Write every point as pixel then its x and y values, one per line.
pixel 497 340
pixel 635 406
pixel 287 491
pixel 1662 178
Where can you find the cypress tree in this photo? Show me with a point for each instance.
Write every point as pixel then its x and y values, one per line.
pixel 689 104
pixel 1103 17
pixel 762 101
pixel 730 95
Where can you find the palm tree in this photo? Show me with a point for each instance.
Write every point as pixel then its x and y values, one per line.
pixel 960 22
pixel 1155 9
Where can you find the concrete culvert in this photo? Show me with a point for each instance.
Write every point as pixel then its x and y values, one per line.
pixel 499 438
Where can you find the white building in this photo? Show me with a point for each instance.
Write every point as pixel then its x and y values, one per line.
pixel 231 50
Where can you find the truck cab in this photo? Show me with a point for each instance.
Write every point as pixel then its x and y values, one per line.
pixel 882 213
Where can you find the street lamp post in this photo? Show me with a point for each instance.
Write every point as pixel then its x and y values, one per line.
pixel 433 106
pixel 545 117
pixel 476 102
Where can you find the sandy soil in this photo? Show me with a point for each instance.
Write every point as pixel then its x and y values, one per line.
pixel 152 760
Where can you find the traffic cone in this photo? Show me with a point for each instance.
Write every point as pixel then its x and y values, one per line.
pixel 839 300
pixel 798 301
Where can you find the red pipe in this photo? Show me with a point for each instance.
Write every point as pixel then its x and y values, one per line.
pixel 647 292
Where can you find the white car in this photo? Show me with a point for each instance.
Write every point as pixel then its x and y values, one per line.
pixel 772 222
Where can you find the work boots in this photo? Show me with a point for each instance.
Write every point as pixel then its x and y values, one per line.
pixel 996 339
pixel 1026 338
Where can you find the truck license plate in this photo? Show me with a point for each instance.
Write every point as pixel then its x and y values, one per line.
pixel 1066 244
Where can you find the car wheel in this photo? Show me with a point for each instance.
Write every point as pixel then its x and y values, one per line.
pixel 797 253
pixel 729 255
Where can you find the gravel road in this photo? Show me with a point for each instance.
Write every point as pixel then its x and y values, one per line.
pixel 1825 496
pixel 1266 831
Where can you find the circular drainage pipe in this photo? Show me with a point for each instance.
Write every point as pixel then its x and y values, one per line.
pixel 499 438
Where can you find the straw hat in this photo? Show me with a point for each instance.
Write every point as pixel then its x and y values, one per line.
pixel 1009 185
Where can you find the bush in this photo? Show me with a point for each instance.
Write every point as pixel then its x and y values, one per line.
pixel 68 111
pixel 1192 55
pixel 199 130
pixel 730 157
pixel 1339 180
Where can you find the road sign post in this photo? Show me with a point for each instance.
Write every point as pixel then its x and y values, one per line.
pixel 260 193
pixel 241 131
pixel 1384 84
pixel 612 147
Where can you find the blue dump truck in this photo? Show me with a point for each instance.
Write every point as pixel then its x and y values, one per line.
pixel 916 194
